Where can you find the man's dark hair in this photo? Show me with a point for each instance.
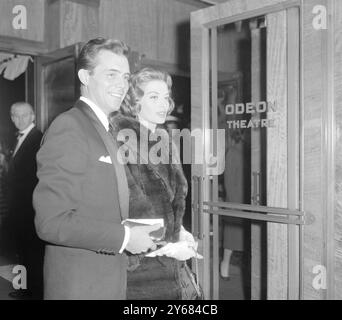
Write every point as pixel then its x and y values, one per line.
pixel 89 52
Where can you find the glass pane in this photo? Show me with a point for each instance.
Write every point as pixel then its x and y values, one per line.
pixel 59 88
pixel 242 112
pixel 234 267
pixel 241 274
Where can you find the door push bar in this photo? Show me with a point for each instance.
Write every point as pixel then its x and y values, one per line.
pixel 244 211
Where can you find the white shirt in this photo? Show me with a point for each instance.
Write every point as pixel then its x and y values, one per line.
pixel 22 138
pixel 104 120
pixel 99 113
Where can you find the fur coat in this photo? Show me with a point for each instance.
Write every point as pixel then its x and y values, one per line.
pixel 156 190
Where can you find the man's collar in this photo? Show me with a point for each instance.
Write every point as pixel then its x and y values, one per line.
pixel 27 130
pixel 99 113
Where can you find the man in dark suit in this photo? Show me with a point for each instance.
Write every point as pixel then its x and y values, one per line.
pixel 22 180
pixel 81 199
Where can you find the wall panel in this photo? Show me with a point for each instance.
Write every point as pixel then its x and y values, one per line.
pixel 160 29
pixel 315 105
pixel 78 23
pixel 35 19
pixel 338 150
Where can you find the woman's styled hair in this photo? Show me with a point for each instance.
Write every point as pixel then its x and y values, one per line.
pixel 87 58
pixel 130 106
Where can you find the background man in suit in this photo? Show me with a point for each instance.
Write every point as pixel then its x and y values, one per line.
pixel 82 195
pixel 22 180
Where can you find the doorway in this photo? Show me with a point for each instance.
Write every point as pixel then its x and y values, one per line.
pixel 11 91
pixel 246 83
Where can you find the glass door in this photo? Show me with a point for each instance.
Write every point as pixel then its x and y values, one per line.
pixel 57 85
pixel 246 199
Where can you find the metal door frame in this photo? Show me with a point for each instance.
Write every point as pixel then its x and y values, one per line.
pixel 205 39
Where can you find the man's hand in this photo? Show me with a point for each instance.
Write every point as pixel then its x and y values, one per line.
pixel 140 240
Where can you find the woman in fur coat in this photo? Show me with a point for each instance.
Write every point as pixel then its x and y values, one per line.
pixel 157 185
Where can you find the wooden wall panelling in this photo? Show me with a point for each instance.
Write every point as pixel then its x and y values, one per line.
pixel 167 33
pixel 131 21
pixel 79 22
pixel 52 25
pixel 151 27
pixel 328 150
pixel 178 32
pixel 21 46
pixel 338 149
pixel 35 19
pixel 30 41
pixel 277 255
pixel 174 27
pixel 69 22
pixel 171 68
pixel 314 171
pixel 294 147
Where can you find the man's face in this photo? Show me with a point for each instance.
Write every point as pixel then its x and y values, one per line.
pixel 22 116
pixel 108 82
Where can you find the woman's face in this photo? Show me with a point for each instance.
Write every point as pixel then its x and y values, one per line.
pixel 155 102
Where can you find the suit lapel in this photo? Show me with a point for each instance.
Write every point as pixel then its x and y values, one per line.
pixel 25 142
pixel 113 152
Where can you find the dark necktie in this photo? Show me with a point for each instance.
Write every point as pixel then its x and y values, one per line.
pixel 111 129
pixel 120 174
pixel 19 135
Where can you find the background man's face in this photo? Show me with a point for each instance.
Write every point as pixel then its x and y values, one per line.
pixel 22 116
pixel 108 83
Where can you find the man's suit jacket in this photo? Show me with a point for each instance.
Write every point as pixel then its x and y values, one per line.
pixel 79 209
pixel 22 180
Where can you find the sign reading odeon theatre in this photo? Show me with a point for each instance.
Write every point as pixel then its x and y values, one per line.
pixel 252 109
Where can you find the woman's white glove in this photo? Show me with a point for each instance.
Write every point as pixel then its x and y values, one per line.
pixel 187 236
pixel 180 250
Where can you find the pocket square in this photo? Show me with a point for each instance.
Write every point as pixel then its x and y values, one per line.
pixel 105 159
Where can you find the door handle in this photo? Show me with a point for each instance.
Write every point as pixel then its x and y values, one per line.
pixel 200 208
pixel 197 207
pixel 256 188
pixel 195 204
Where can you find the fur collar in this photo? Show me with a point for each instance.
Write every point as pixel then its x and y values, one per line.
pixel 141 141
